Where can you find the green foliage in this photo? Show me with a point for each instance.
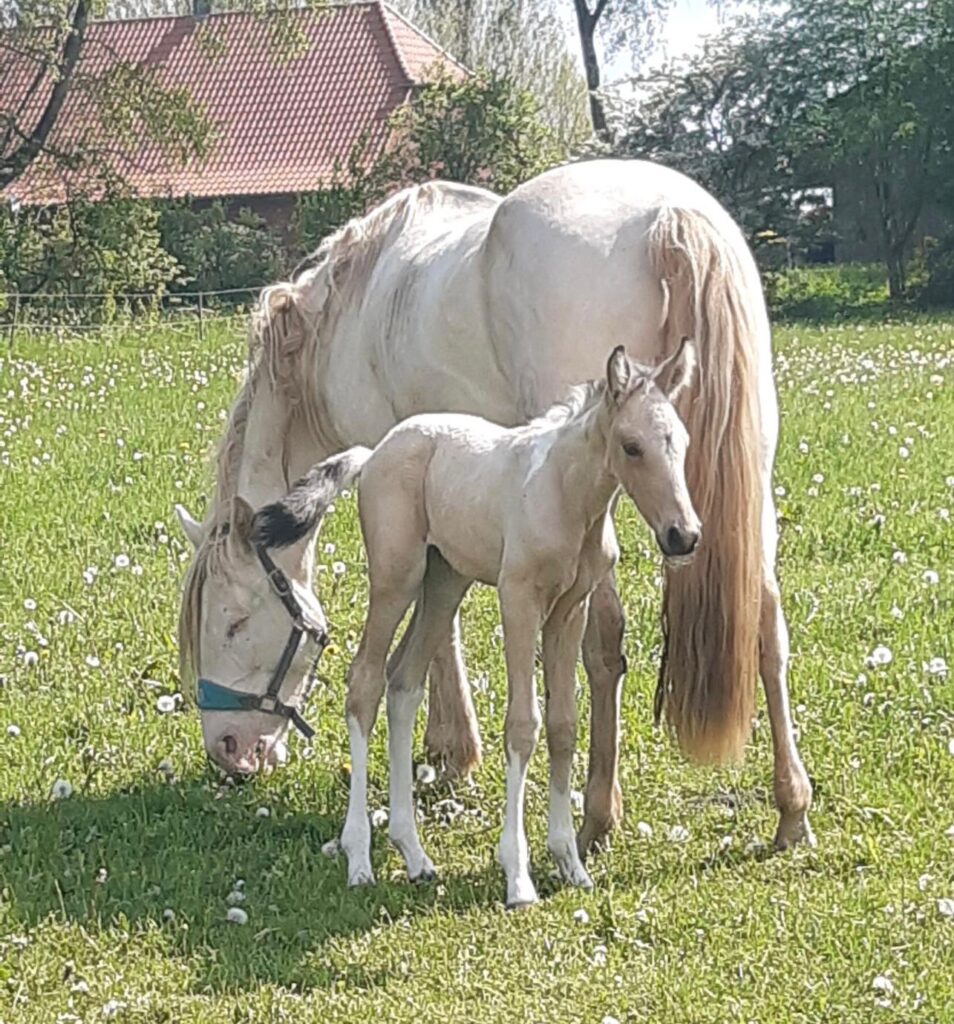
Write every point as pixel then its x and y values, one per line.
pixel 84 248
pixel 481 130
pixel 933 273
pixel 827 293
pixel 218 249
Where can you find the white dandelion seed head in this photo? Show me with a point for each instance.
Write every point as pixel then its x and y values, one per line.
pixel 945 907
pixel 236 915
pixel 121 561
pixel 30 658
pixel 329 548
pixel 339 568
pixel 62 790
pixel 899 558
pixel 112 1008
pixel 904 452
pixel 235 897
pixel 678 834
pixel 426 775
pixel 379 817
pixel 92 661
pixel 936 667
pixel 165 703
pixel 262 812
pixel 331 849
pixel 930 577
pixel 13 731
pixel 881 655
pixel 882 984
pixel 644 829
pixel 30 604
pixel 581 916
pixel 168 915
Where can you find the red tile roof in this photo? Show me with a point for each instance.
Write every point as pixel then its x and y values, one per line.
pixel 284 116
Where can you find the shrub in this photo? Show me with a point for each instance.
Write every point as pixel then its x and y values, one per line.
pixel 217 251
pixel 827 292
pixel 932 275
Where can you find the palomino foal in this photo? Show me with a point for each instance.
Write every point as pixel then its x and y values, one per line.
pixel 449 499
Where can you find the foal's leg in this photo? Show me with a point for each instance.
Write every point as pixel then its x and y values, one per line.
pixel 441 594
pixel 793 791
pixel 521 614
pixel 562 635
pixel 605 667
pixel 392 591
pixel 452 737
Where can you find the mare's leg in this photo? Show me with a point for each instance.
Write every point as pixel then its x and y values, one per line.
pixel 452 738
pixel 395 580
pixel 793 791
pixel 440 596
pixel 562 637
pixel 522 618
pixel 605 667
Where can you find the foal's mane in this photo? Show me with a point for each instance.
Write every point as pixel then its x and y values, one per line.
pixel 284 345
pixel 579 399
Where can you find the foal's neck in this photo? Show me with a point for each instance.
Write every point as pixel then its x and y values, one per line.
pixel 579 451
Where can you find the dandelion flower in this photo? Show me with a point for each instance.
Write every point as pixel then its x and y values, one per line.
pixel 236 915
pixel 329 548
pixel 121 561
pixel 262 812
pixel 581 916
pixel 899 558
pixel 165 703
pixel 903 452
pixel 678 834
pixel 338 568
pixel 30 658
pixel 426 774
pixel 936 667
pixel 168 914
pixel 930 577
pixel 13 731
pixel 30 604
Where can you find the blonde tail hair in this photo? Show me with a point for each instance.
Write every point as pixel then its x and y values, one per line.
pixel 711 608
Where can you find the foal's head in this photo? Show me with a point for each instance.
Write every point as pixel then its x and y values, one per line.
pixel 646 444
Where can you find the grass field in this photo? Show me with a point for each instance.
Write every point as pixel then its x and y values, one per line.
pixel 113 900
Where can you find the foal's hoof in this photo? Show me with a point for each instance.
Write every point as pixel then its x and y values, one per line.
pixel 360 877
pixel 792 830
pixel 518 905
pixel 428 873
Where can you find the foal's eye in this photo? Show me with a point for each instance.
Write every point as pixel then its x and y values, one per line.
pixel 632 449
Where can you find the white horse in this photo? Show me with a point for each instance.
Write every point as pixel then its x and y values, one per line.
pixel 447 499
pixel 449 298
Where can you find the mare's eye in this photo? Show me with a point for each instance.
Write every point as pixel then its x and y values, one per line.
pixel 632 449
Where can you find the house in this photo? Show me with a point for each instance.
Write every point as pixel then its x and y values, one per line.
pixel 289 94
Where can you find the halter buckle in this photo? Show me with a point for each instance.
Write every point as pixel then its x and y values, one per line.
pixel 268 704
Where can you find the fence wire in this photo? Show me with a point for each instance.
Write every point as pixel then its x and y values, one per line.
pixel 61 317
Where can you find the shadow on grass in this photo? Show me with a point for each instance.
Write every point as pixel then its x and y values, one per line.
pixel 119 863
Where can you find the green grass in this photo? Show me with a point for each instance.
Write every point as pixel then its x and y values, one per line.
pixel 100 438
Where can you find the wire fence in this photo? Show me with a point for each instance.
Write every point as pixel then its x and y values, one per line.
pixel 61 317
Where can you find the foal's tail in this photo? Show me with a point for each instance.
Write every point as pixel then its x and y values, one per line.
pixel 293 517
pixel 711 608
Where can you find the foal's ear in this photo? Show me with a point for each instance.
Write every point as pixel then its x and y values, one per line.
pixel 675 373
pixel 190 527
pixel 619 374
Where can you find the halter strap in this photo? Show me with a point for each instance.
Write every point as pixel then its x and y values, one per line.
pixel 214 696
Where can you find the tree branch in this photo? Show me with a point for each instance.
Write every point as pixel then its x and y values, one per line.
pixel 21 158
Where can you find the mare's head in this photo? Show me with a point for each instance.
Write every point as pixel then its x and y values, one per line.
pixel 646 444
pixel 234 628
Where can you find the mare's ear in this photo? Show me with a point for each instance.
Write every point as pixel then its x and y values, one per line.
pixel 240 524
pixel 190 527
pixel 675 373
pixel 619 374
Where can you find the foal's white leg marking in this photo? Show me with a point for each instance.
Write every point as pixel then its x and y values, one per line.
pixel 402 710
pixel 356 835
pixel 513 853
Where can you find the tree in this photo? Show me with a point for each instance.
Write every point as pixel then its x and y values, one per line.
pixel 521 40
pixel 853 95
pixel 480 130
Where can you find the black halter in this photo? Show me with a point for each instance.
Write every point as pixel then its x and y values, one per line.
pixel 215 697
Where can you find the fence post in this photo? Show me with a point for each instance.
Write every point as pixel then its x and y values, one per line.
pixel 201 325
pixel 13 319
